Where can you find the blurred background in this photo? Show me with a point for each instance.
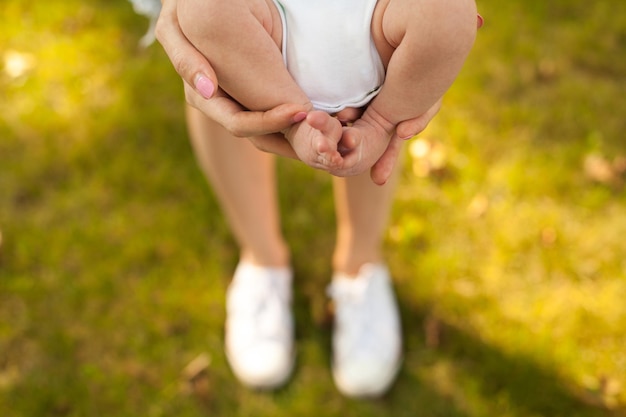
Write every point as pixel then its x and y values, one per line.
pixel 507 241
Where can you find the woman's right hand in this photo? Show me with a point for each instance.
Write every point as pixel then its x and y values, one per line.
pixel 261 128
pixel 202 90
pixel 190 64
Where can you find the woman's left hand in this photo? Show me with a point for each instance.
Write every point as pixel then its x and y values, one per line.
pixel 381 171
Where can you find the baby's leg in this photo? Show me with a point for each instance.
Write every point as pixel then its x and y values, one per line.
pixel 429 41
pixel 363 143
pixel 424 44
pixel 317 139
pixel 242 39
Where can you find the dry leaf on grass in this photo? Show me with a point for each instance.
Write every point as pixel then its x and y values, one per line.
pixel 9 377
pixel 602 391
pixel 195 378
pixel 548 236
pixel 602 169
pixel 432 331
pixel 610 389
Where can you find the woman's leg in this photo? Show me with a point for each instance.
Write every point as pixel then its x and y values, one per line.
pixel 362 214
pixel 243 179
pixel 243 39
pixel 367 337
pixel 259 323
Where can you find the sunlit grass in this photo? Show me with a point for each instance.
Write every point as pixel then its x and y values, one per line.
pixel 507 244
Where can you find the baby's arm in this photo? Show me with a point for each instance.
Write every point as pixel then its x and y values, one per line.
pixel 242 37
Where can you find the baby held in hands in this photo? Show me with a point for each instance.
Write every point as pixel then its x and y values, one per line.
pixel 360 66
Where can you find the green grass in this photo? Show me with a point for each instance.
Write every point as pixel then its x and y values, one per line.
pixel 509 258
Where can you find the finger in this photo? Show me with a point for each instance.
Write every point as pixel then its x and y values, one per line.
pixel 252 123
pixel 274 143
pixel 189 63
pixel 409 128
pixel 383 168
pixel 219 108
pixel 241 122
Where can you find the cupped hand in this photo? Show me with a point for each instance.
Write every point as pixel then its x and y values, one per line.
pixel 261 128
pixel 191 65
pixel 381 171
pixel 202 91
pixel 240 122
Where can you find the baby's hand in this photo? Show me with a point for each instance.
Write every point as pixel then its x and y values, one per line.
pixel 315 140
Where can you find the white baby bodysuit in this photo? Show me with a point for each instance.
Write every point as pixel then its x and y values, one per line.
pixel 329 51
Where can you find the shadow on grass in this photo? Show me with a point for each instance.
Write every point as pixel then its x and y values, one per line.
pixel 509 383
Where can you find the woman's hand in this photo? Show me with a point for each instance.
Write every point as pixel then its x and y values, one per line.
pixel 258 127
pixel 242 123
pixel 202 91
pixel 190 64
pixel 381 171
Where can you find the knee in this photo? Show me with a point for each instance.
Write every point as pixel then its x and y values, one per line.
pixel 199 19
pixel 446 24
pixel 456 23
pixel 217 21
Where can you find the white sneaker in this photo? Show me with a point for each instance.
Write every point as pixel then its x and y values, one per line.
pixel 367 339
pixel 259 325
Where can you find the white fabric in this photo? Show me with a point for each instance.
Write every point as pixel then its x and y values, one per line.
pixel 367 338
pixel 259 325
pixel 150 9
pixel 328 49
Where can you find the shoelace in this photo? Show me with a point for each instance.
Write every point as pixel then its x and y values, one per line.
pixel 264 306
pixel 353 315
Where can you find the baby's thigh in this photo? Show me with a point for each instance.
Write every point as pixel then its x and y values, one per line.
pixel 220 17
pixel 384 48
pixel 266 12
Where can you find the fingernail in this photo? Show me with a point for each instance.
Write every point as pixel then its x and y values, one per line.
pixel 299 117
pixel 205 86
pixel 407 137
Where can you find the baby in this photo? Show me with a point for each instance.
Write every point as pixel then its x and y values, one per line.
pixel 393 58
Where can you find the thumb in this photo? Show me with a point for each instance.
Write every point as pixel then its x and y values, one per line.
pixel 383 168
pixel 205 84
pixel 189 63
